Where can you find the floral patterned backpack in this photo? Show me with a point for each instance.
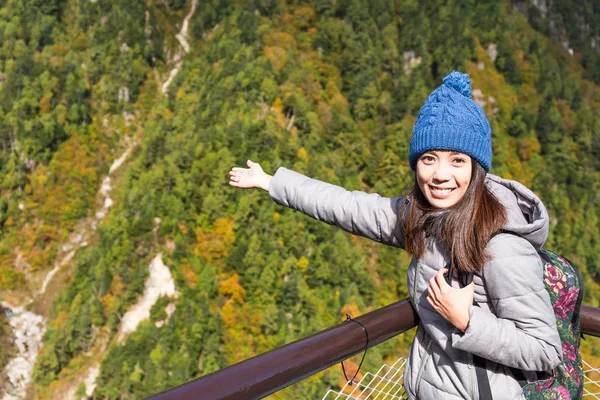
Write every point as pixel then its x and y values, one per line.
pixel 565 287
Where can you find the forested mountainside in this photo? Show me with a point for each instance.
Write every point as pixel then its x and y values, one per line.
pixel 119 121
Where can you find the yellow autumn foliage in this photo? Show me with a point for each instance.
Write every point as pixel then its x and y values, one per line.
pixel 110 304
pixel 280 39
pixel 304 16
pixel 302 154
pixel 231 288
pixel 229 315
pixel 302 264
pixel 212 246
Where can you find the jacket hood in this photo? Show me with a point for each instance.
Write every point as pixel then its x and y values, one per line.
pixel 527 215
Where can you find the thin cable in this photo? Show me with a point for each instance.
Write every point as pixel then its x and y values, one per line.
pixel 350 381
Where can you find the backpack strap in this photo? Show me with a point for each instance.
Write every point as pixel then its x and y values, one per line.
pixel 483 382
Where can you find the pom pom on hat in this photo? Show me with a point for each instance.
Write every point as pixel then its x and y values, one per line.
pixel 459 82
pixel 451 120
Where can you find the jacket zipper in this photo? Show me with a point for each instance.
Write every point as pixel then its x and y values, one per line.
pixel 422 367
pixel 415 278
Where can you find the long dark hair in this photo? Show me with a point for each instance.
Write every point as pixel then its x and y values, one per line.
pixel 464 229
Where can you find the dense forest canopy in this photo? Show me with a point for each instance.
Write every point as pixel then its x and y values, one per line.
pixel 329 88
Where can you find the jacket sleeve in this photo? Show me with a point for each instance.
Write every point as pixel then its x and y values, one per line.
pixel 523 332
pixel 359 213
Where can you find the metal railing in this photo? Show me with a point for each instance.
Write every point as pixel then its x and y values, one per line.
pixel 269 372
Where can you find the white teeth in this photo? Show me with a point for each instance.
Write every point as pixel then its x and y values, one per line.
pixel 442 191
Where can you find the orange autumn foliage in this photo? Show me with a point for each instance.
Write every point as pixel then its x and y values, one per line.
pixel 191 279
pixel 277 56
pixel 350 367
pixel 350 309
pixel 60 320
pixel 117 287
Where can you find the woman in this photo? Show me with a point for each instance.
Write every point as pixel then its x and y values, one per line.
pixel 461 218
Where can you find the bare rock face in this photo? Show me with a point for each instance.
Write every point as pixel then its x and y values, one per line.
pixel 492 51
pixel 20 263
pixel 410 61
pixel 541 6
pixel 123 96
pixel 159 283
pixel 478 98
pixel 28 330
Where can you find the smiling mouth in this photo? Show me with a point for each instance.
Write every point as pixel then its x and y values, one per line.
pixel 440 192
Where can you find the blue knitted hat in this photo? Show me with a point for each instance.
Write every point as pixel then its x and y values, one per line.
pixel 450 120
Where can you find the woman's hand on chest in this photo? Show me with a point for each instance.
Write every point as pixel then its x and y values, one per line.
pixel 451 303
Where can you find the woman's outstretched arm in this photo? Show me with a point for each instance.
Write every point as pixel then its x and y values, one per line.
pixel 359 213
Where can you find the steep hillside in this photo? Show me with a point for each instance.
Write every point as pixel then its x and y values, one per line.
pixel 120 121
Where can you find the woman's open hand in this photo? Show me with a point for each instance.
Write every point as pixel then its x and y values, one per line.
pixel 251 177
pixel 453 304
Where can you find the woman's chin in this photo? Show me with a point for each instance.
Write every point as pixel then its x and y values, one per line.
pixel 442 202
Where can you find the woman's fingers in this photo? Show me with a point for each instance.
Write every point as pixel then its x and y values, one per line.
pixel 438 285
pixel 431 301
pixel 434 289
pixel 440 280
pixel 235 176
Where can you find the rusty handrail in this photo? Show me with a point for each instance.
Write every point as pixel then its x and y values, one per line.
pixel 590 320
pixel 269 372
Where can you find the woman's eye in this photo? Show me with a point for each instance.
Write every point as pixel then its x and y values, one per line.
pixel 460 160
pixel 427 159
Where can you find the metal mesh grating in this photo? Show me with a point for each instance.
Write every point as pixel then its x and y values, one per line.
pixel 386 384
pixel 591 386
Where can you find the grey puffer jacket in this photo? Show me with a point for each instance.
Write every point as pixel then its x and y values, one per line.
pixel 512 326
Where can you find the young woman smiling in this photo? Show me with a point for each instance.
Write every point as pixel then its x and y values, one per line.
pixel 457 218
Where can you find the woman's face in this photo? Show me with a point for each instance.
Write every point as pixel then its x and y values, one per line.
pixel 443 176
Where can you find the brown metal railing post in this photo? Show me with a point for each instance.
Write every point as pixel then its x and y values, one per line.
pixel 266 373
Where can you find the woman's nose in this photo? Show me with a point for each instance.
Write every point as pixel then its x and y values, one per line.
pixel 442 172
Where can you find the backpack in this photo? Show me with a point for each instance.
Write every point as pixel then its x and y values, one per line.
pixel 565 287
